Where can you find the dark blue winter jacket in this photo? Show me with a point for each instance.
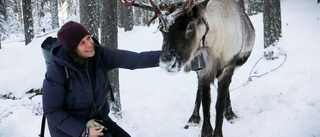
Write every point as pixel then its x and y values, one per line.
pixel 69 105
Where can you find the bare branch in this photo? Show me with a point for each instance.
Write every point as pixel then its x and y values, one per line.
pixel 140 5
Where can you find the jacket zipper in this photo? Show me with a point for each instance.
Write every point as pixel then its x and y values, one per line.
pixel 88 75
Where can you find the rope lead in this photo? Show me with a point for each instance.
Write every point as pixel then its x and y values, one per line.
pixel 258 76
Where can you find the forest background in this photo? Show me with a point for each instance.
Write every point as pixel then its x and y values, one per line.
pixel 36 18
pixel 292 91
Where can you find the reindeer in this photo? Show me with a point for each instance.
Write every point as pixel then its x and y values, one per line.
pixel 216 33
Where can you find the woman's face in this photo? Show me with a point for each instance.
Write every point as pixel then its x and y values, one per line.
pixel 85 48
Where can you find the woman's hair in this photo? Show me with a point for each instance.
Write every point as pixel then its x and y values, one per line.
pixel 77 58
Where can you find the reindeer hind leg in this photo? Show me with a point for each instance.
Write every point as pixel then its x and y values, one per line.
pixel 229 114
pixel 223 100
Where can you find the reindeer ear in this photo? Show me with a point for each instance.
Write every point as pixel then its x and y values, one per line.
pixel 189 4
pixel 203 4
pixel 195 9
pixel 199 8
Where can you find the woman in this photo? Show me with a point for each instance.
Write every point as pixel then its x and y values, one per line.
pixel 69 103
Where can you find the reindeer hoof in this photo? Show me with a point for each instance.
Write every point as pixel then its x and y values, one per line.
pixel 207 131
pixel 206 135
pixel 193 121
pixel 217 133
pixel 231 117
pixel 217 136
pixel 234 120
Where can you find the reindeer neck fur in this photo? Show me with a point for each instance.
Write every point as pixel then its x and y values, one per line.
pixel 229 38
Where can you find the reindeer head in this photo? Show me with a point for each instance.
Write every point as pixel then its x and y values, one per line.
pixel 182 32
pixel 182 27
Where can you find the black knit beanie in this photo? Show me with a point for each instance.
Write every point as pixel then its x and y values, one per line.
pixel 70 35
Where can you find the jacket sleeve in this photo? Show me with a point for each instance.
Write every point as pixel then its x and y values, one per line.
pixel 131 60
pixel 53 95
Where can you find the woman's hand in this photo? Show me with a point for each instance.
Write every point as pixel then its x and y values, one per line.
pixel 95 131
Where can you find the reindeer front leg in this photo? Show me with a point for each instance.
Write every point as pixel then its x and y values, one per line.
pixel 195 117
pixel 223 89
pixel 207 130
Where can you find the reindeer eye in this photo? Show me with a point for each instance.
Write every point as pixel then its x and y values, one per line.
pixel 190 29
pixel 190 26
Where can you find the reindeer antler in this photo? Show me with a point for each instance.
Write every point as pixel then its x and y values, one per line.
pixel 160 10
pixel 153 7
pixel 144 6
pixel 157 12
pixel 126 3
pixel 132 3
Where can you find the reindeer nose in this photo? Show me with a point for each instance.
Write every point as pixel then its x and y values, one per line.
pixel 166 57
pixel 168 54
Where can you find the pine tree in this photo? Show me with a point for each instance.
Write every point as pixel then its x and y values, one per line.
pixel 27 21
pixel 89 15
pixel 125 17
pixel 272 24
pixel 54 14
pixel 2 14
pixel 109 38
pixel 254 7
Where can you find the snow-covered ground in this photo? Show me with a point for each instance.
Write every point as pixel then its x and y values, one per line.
pixel 282 103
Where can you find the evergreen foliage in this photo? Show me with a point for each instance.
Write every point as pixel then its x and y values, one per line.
pixel 254 6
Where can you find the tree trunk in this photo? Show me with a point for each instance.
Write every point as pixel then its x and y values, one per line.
pixel 126 17
pixel 120 17
pixel 146 16
pixel 54 14
pixel 278 18
pixel 2 18
pixel 72 11
pixel 109 38
pixel 89 16
pixel 18 6
pixel 128 22
pixel 272 24
pixel 254 7
pixel 27 21
pixel 137 17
